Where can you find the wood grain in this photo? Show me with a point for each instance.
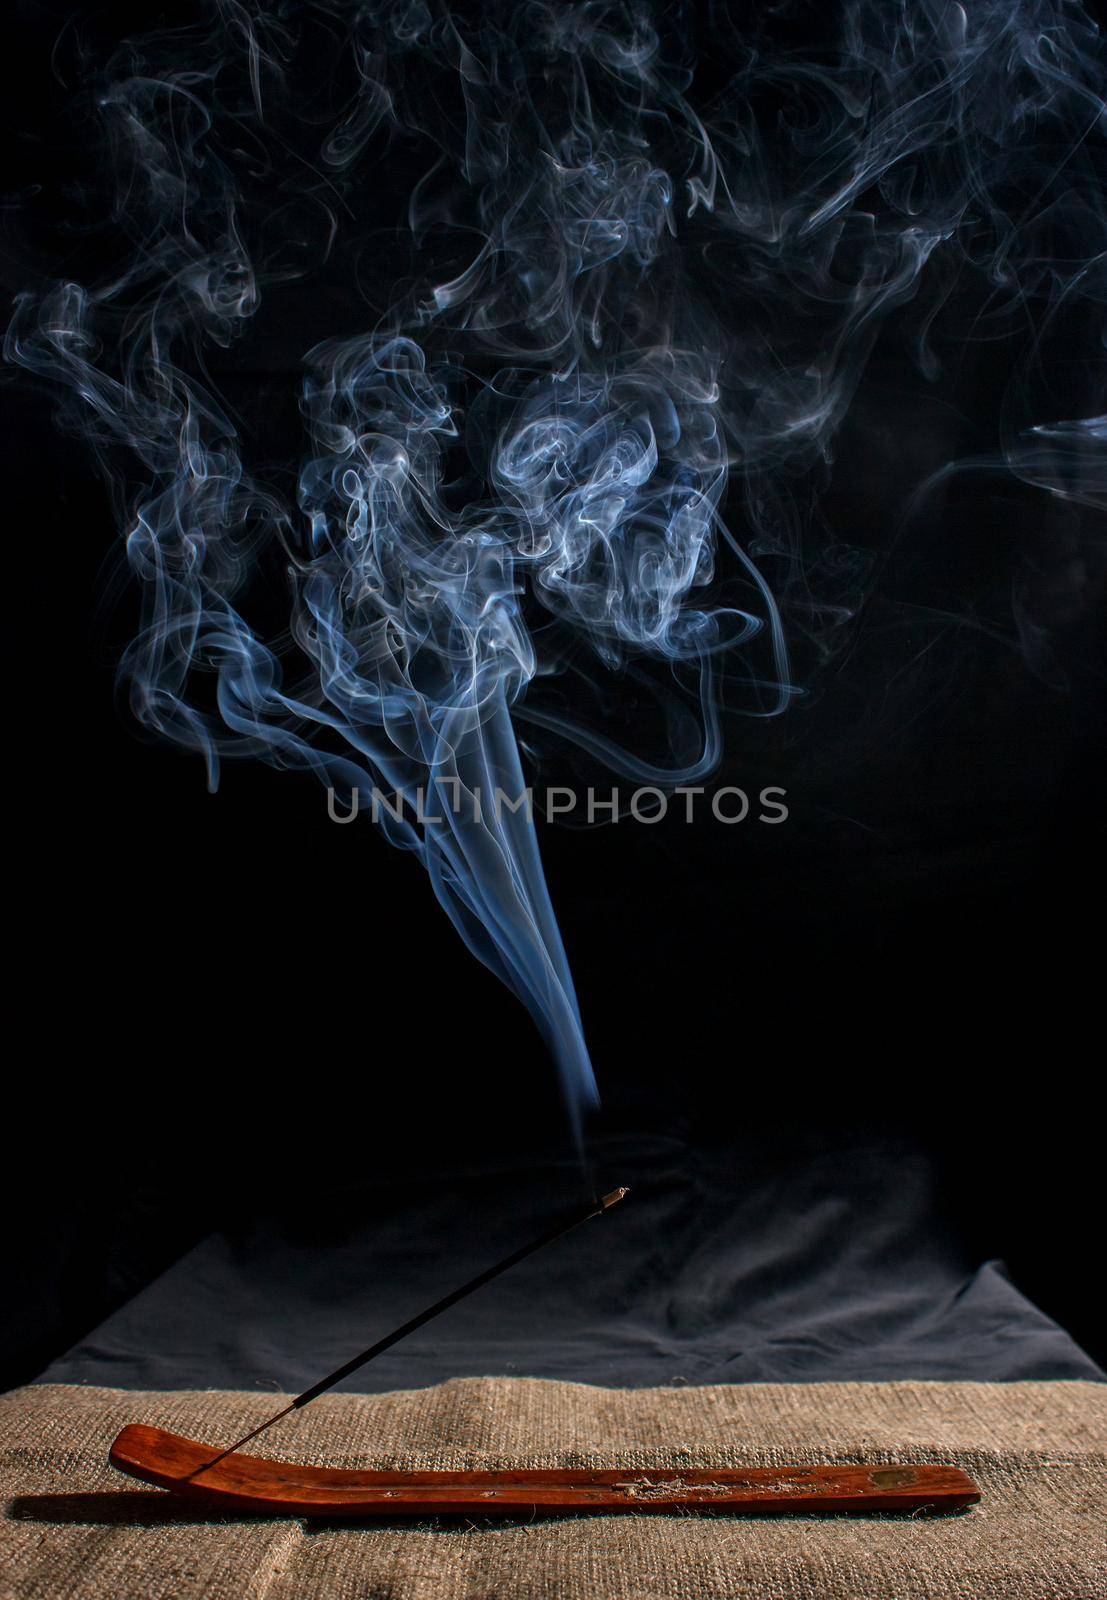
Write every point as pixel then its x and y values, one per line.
pixel 280 1488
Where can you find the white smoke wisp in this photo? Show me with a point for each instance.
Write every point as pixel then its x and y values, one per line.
pixel 598 329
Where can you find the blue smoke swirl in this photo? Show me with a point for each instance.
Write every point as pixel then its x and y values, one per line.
pixel 581 422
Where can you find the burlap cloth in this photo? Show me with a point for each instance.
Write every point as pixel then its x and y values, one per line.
pixel 1038 1451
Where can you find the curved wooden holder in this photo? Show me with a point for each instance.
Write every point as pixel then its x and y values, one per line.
pixel 280 1488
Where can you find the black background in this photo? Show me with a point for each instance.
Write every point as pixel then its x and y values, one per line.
pixel 202 983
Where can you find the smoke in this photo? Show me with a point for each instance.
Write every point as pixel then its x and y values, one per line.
pixel 601 283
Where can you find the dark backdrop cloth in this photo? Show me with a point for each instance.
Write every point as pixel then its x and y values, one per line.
pixel 746 1261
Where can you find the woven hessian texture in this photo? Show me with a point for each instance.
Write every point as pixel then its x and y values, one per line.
pixel 73 1527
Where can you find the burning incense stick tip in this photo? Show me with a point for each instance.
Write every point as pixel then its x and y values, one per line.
pixel 613 1198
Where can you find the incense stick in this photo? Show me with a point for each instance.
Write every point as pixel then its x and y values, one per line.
pixel 595 1209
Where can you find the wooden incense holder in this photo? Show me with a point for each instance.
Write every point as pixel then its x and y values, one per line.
pixel 281 1488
